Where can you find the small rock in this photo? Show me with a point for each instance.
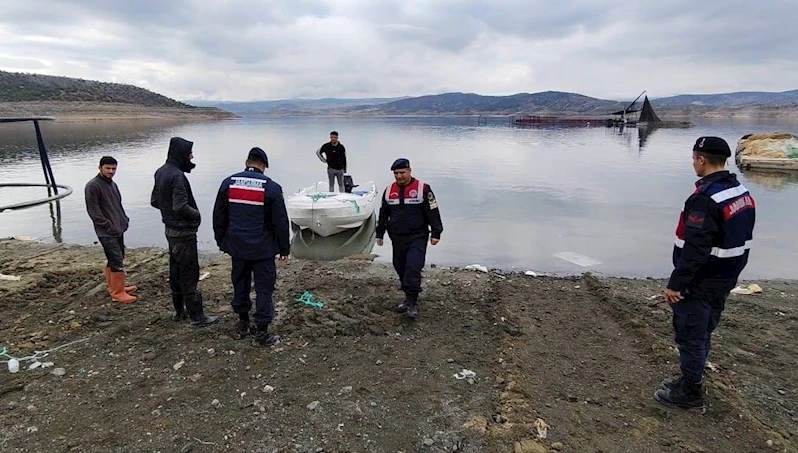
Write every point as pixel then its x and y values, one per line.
pixel 449 360
pixel 572 398
pixel 12 405
pixel 379 362
pixel 31 408
pixel 557 446
pixel 156 413
pixel 499 380
pixel 769 443
pixel 216 403
pixel 346 390
pixel 195 377
pixel 187 448
pixel 312 406
pixel 782 392
pixel 178 365
pixel 373 404
pixel 268 389
pixel 429 442
pixel 58 372
pixel 33 429
pixel 47 364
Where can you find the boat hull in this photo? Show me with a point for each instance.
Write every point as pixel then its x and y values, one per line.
pixel 329 213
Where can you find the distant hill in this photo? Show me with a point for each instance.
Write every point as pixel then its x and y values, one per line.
pixel 737 99
pixel 288 105
pixel 21 87
pixel 474 104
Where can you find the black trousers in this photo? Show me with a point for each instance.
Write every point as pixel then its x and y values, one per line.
pixel 265 273
pixel 694 320
pixel 409 254
pixel 183 270
pixel 114 249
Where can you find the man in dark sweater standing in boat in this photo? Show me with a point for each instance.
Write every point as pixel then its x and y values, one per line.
pixel 333 154
pixel 104 205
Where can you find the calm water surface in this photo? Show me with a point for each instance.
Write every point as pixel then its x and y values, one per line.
pixel 510 197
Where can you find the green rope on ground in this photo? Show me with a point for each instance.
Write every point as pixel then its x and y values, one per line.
pixel 307 299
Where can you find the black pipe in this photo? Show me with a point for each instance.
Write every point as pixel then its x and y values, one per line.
pixel 48 170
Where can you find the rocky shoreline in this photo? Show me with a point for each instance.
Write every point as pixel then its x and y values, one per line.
pixel 496 362
pixel 109 111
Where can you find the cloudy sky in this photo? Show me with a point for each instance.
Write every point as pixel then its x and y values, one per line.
pixel 255 50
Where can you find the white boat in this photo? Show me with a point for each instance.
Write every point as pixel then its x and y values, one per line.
pixel 327 213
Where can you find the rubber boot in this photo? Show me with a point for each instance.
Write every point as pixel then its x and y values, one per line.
pixel 684 395
pixel 264 338
pixel 128 289
pixel 180 309
pixel 118 293
pixel 197 313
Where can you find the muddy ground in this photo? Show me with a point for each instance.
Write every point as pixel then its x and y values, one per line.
pixel 573 359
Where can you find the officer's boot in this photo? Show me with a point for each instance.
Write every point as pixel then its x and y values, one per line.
pixel 263 337
pixel 243 328
pixel 402 308
pixel 180 308
pixel 412 306
pixel 672 383
pixel 197 313
pixel 684 395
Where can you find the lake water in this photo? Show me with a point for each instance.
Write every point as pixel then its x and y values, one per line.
pixel 509 197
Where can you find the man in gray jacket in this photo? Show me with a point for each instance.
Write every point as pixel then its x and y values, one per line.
pixel 104 205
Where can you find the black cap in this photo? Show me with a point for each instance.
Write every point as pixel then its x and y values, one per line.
pixel 400 163
pixel 258 154
pixel 712 145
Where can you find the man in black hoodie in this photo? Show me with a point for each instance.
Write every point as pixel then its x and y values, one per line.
pixel 172 196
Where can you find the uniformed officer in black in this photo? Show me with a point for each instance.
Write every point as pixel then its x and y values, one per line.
pixel 410 215
pixel 713 240
pixel 250 223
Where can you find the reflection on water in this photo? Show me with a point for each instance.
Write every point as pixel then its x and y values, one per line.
pixel 509 197
pixel 305 244
pixel 772 179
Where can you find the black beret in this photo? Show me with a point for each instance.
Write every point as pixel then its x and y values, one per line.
pixel 712 145
pixel 258 154
pixel 400 163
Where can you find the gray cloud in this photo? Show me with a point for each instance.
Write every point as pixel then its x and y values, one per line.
pixel 240 50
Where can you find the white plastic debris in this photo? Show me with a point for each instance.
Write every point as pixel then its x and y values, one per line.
pixel 465 374
pixel 531 273
pixel 542 427
pixel 34 365
pixel 13 365
pixel 10 278
pixel 750 289
pixel 477 267
pixel 204 275
pixel 576 258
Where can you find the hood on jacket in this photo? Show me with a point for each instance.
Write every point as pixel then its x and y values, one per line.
pixel 179 150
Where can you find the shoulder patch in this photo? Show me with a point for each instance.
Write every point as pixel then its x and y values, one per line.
pixel 695 219
pixel 433 203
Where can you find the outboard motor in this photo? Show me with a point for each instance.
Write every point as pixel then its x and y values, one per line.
pixel 349 184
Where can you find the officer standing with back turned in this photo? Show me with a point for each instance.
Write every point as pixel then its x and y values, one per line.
pixel 713 240
pixel 250 223
pixel 409 211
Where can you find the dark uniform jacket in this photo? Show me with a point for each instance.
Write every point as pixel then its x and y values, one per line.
pixel 409 210
pixel 713 238
pixel 250 220
pixel 172 193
